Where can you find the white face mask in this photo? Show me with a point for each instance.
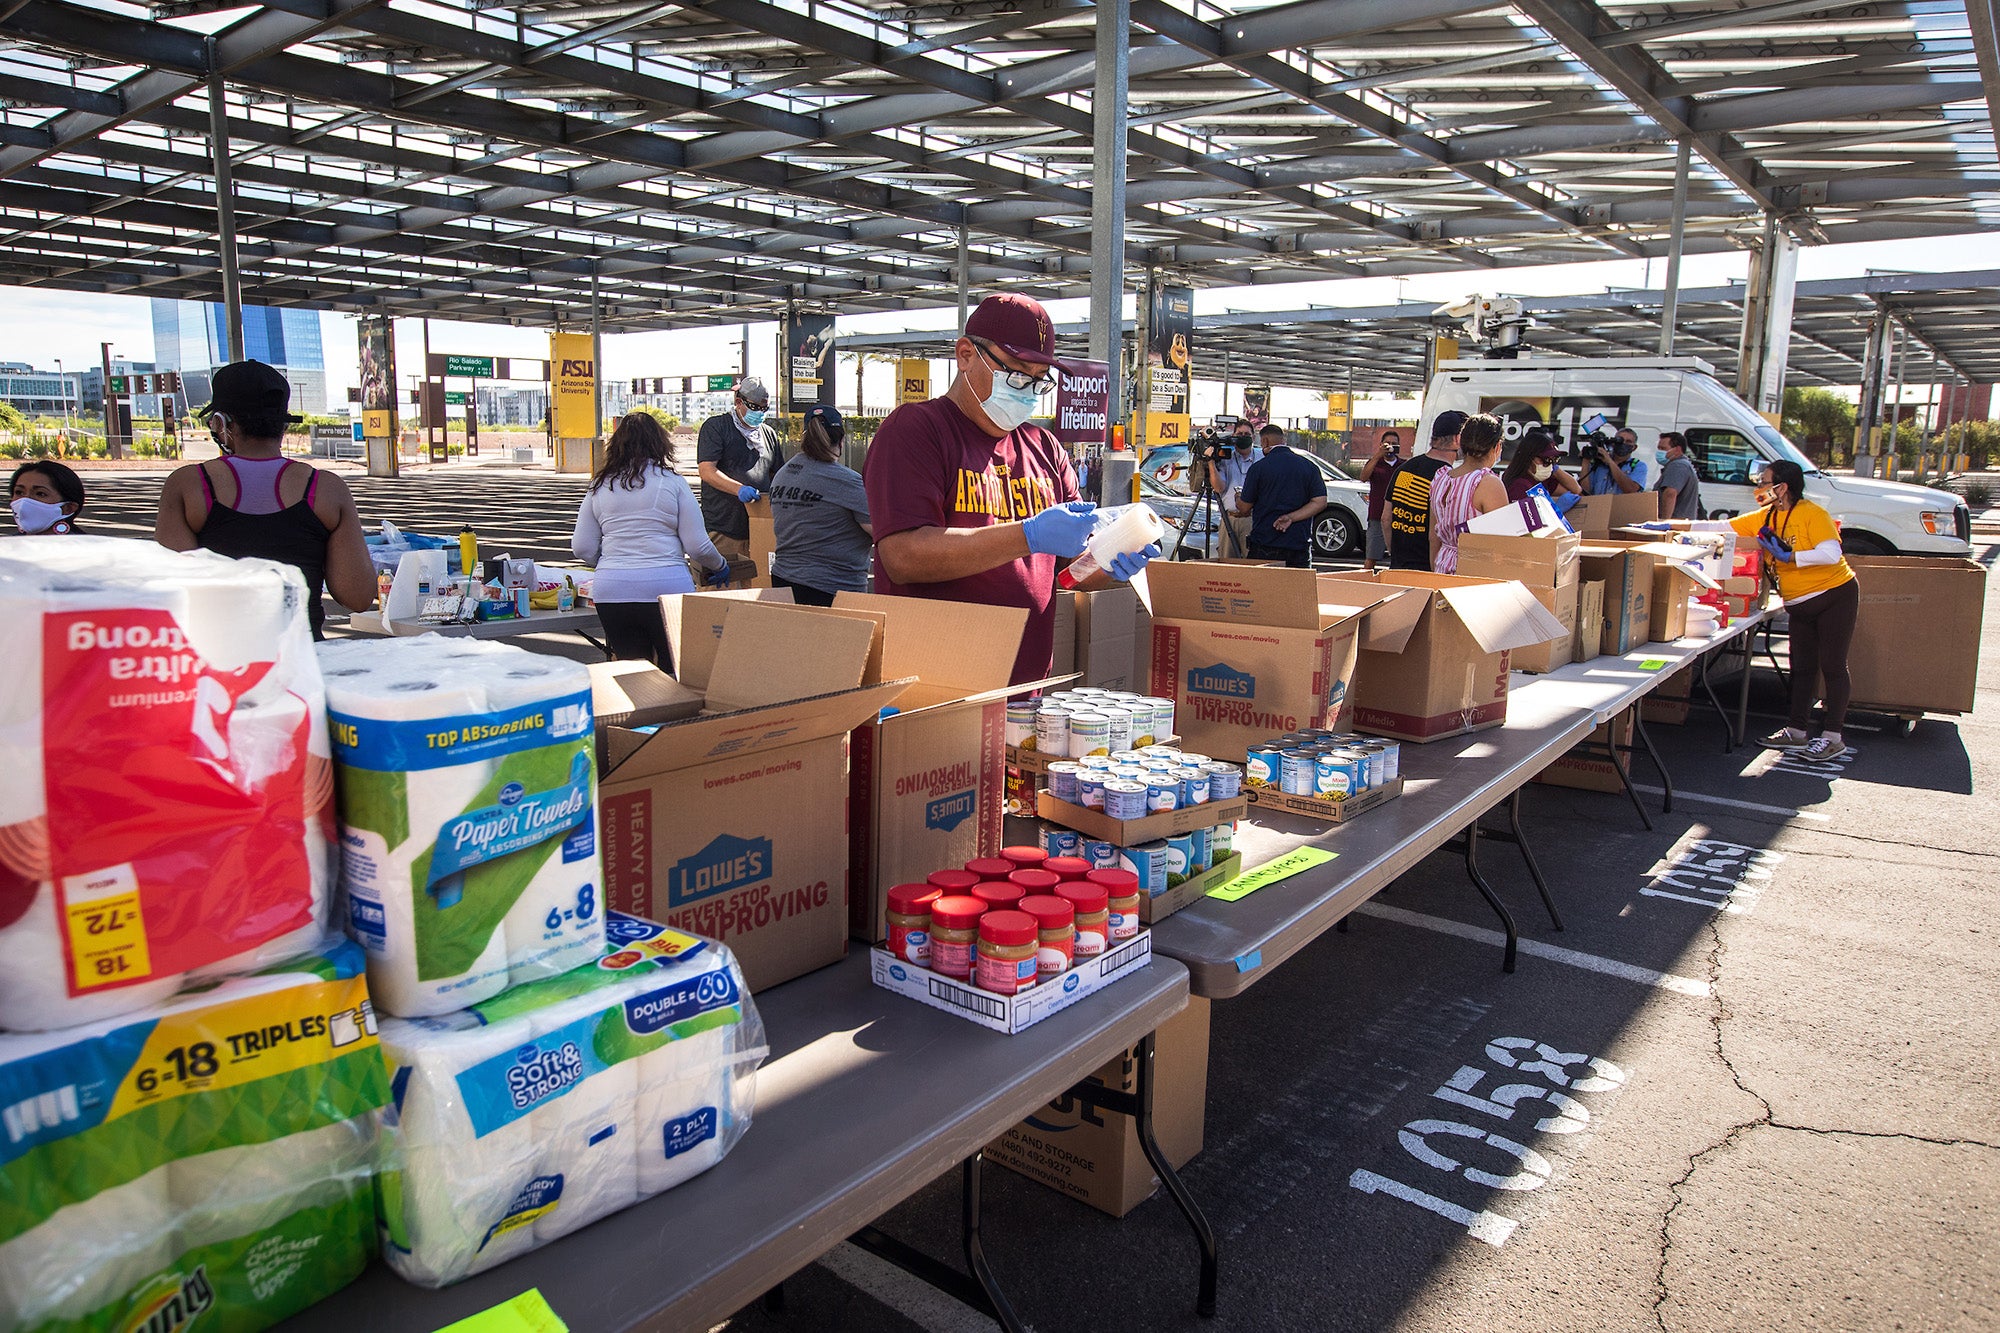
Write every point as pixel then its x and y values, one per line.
pixel 36 515
pixel 1006 406
pixel 1543 471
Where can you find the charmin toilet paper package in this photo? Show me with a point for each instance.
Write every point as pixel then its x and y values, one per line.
pixel 468 816
pixel 165 780
pixel 539 1111
pixel 213 1156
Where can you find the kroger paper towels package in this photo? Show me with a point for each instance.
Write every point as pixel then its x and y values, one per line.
pixel 541 1110
pixel 213 1156
pixel 468 816
pixel 165 780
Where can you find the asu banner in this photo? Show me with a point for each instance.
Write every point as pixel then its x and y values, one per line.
pixel 913 380
pixel 573 385
pixel 378 376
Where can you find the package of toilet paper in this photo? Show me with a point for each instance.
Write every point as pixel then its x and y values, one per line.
pixel 212 1156
pixel 166 788
pixel 541 1110
pixel 467 788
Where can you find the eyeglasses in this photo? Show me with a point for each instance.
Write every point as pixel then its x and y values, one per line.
pixel 1016 379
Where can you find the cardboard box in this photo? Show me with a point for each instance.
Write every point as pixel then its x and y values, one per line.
pixel 1678 574
pixel 730 819
pixel 1008 1013
pixel 1062 660
pixel 1908 601
pixel 1560 603
pixel 1597 515
pixel 1107 645
pixel 1627 576
pixel 1671 702
pixel 1156 907
pixel 1443 670
pixel 1589 621
pixel 1131 832
pixel 1249 651
pixel 927 786
pixel 1589 771
pixel 1536 562
pixel 1327 812
pixel 1094 1155
pixel 763 542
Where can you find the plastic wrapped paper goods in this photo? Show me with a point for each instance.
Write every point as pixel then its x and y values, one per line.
pixel 537 1112
pixel 467 787
pixel 210 1161
pixel 165 783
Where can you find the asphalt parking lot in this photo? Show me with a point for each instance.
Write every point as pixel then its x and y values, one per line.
pixel 1752 1086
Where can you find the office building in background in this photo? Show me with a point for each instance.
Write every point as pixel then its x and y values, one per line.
pixel 188 336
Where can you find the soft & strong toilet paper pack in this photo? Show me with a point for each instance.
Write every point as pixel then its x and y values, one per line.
pixel 468 817
pixel 212 1159
pixel 537 1112
pixel 165 781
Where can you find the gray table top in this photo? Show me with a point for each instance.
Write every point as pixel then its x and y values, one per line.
pixel 866 1098
pixel 538 622
pixel 1608 685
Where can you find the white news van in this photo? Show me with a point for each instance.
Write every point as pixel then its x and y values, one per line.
pixel 1727 442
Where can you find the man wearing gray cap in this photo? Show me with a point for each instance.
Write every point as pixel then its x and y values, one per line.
pixel 737 454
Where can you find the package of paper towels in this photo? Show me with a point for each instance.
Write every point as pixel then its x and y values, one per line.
pixel 165 783
pixel 560 1102
pixel 213 1156
pixel 467 787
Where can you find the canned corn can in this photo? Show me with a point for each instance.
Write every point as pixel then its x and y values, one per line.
pixel 1163 792
pixel 1124 799
pixel 1021 723
pixel 1117 728
pixel 1052 730
pixel 1163 717
pixel 1088 732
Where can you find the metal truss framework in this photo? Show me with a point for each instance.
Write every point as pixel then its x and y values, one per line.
pixel 712 161
pixel 1952 322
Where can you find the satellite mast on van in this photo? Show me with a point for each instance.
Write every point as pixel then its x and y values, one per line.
pixel 1497 321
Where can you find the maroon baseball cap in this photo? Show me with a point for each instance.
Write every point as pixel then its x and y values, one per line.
pixel 1019 326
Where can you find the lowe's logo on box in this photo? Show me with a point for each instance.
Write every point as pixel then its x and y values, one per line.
pixel 948 812
pixel 660 1009
pixel 727 863
pixel 1222 682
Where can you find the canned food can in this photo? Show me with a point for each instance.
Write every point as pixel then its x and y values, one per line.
pixel 1261 765
pixel 1087 692
pixel 1194 784
pixel 1020 797
pixel 1090 790
pixel 1129 757
pixel 1088 732
pixel 1021 724
pixel 1221 841
pixel 1374 774
pixel 1129 772
pixel 1101 855
pixel 1392 752
pixel 1200 860
pixel 1180 856
pixel 1362 768
pixel 1296 773
pixel 1162 792
pixel 1098 763
pixel 1063 774
pixel 1052 730
pixel 1147 860
pixel 1124 799
pixel 1333 777
pixel 1159 751
pixel 1117 728
pixel 1225 781
pixel 1163 717
pixel 1190 757
pixel 1059 841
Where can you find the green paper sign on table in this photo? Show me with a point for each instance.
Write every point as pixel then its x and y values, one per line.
pixel 1291 863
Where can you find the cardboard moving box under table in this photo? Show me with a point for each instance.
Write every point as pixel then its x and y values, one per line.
pixel 1436 664
pixel 730 820
pixel 1916 641
pixel 1546 565
pixel 1249 651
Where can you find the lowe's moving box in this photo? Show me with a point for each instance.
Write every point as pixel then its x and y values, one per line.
pixel 1627 576
pixel 1679 572
pixel 928 785
pixel 1443 671
pixel 722 806
pixel 1908 601
pixel 1249 651
pixel 1547 567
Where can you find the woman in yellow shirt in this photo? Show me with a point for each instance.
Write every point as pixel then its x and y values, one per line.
pixel 1822 599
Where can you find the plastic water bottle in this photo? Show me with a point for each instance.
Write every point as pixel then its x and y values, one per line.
pixel 1120 531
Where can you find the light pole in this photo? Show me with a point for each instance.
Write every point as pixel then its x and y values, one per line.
pixel 62 382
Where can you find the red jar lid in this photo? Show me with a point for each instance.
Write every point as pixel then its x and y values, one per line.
pixel 1067 867
pixel 1049 911
pixel 956 913
pixel 1035 881
pixel 1116 883
pixel 952 881
pixel 1008 928
pixel 909 899
pixel 1086 897
pixel 1025 858
pixel 990 867
pixel 999 893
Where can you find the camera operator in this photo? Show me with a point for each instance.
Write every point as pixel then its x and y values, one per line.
pixel 1381 467
pixel 1228 465
pixel 1609 467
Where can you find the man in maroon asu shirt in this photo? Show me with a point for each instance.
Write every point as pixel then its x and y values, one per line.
pixel 970 502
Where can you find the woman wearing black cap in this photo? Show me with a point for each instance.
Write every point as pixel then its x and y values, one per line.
pixel 1536 462
pixel 253 501
pixel 819 510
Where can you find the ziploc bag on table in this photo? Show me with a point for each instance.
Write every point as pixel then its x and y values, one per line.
pixel 165 783
pixel 540 1111
pixel 468 816
pixel 213 1156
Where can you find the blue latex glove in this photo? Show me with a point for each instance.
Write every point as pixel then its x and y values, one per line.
pixel 1125 566
pixel 716 578
pixel 1770 547
pixel 1061 530
pixel 747 494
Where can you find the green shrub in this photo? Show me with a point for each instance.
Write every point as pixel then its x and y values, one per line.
pixel 1978 494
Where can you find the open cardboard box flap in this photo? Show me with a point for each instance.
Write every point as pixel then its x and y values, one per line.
pixel 1209 590
pixel 1391 620
pixel 1678 554
pixel 694 626
pixel 1499 614
pixel 959 647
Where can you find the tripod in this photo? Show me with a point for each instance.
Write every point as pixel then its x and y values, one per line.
pixel 1205 501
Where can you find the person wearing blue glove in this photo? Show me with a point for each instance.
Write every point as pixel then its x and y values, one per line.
pixel 971 501
pixel 737 454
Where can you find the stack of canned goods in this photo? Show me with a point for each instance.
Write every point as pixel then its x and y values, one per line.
pixel 1084 722
pixel 1132 784
pixel 1160 865
pixel 1331 766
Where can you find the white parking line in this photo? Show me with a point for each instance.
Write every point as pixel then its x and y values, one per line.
pixel 911 1297
pixel 1784 810
pixel 1590 962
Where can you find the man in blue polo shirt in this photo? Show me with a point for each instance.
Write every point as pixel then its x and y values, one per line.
pixel 1281 493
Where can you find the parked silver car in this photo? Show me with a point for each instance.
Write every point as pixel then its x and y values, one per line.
pixel 1339 530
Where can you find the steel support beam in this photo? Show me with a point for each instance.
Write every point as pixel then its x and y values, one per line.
pixel 1109 110
pixel 1676 237
pixel 225 211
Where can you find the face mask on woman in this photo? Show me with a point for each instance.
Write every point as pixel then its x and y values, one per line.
pixel 1768 494
pixel 36 515
pixel 1543 471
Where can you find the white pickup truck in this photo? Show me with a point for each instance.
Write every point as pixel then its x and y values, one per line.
pixel 1727 442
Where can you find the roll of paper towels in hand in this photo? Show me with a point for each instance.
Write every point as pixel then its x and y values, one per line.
pixel 541 1110
pixel 468 817
pixel 215 1153
pixel 158 735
